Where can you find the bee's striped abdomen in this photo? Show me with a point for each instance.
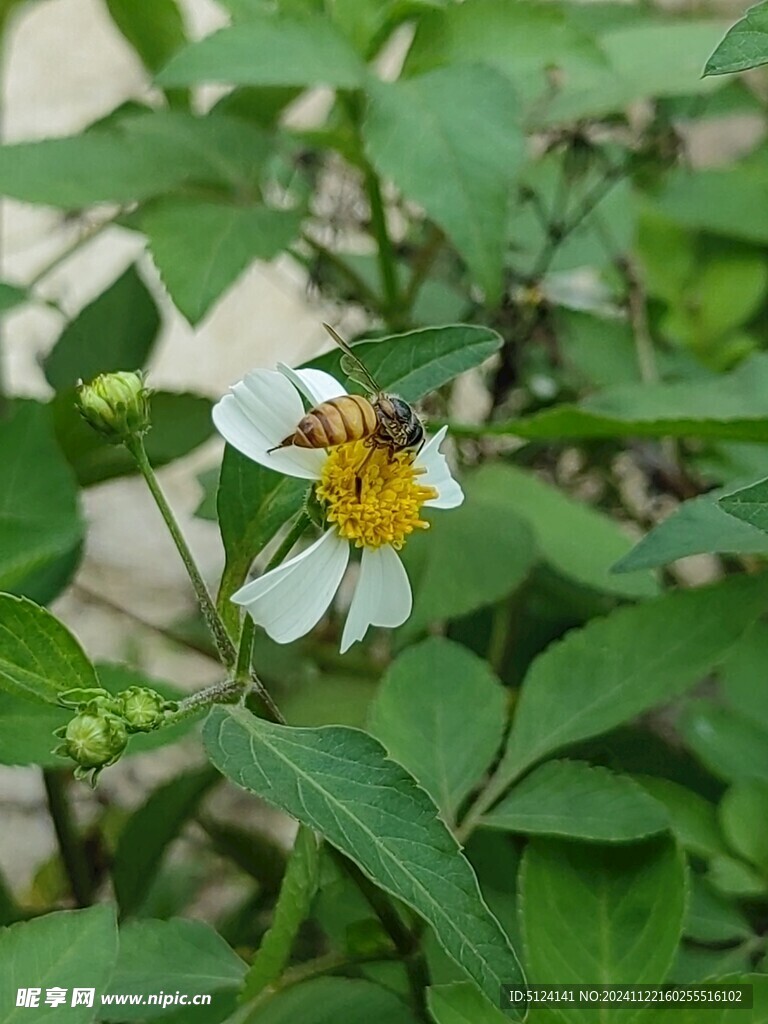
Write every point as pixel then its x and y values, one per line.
pixel 337 421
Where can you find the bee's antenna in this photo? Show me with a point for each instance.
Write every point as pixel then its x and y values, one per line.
pixel 339 341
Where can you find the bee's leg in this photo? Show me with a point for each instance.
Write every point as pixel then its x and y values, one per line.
pixel 285 443
pixel 371 443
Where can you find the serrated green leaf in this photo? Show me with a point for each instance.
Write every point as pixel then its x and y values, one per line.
pixel 576 799
pixel 417 362
pixel 40 526
pixel 137 158
pixel 154 28
pixel 578 541
pixel 420 715
pixel 157 956
pixel 614 668
pixel 461 1003
pixel 269 50
pixel 200 248
pixel 331 1000
pixel 697 526
pixel 67 949
pixel 745 45
pixel 149 831
pixel 39 657
pixel 474 160
pixel 339 782
pixel 692 819
pixel 116 331
pixel 582 908
pixel 296 894
pixel 180 423
pixel 731 745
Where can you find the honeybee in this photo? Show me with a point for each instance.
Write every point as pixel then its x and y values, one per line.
pixel 380 421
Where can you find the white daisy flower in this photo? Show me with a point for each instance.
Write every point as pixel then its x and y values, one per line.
pixel 374 506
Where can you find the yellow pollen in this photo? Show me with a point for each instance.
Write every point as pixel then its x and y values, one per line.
pixel 372 494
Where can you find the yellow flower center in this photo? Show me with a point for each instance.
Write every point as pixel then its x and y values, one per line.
pixel 372 494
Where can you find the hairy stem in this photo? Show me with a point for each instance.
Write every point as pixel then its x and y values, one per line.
pixel 73 853
pixel 218 630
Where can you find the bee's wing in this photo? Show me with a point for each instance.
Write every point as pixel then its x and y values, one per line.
pixel 352 367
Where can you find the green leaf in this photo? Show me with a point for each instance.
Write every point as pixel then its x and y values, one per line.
pixel 154 28
pixel 573 798
pixel 331 1000
pixel 731 745
pixel 26 729
pixel 728 201
pixel 601 915
pixel 692 819
pixel 749 505
pixel 736 879
pixel 200 248
pixel 339 782
pixel 745 45
pixel 461 1003
pixel 180 423
pixel 744 817
pixel 292 907
pixel 136 158
pixel 39 657
pixel 614 668
pixel 11 295
pixel 576 540
pixel 253 503
pixel 729 1014
pixel 489 32
pixel 711 918
pixel 114 332
pixel 661 60
pixel 269 51
pixel 157 956
pixel 464 562
pixel 730 406
pixel 420 715
pixel 68 949
pixel 418 362
pixel 744 682
pixel 697 526
pixel 40 526
pixel 148 833
pixel 475 160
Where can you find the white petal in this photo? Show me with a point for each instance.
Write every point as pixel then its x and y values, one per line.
pixel 438 474
pixel 382 596
pixel 261 411
pixel 291 599
pixel 316 385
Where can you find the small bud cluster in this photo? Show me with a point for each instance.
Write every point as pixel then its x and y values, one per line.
pixel 98 734
pixel 116 405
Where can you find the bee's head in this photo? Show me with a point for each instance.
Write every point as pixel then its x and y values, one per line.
pixel 399 421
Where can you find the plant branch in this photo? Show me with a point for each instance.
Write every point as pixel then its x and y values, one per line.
pixel 73 853
pixel 218 630
pixel 384 249
pixel 365 293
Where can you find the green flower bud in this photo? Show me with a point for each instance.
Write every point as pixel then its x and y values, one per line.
pixel 116 405
pixel 94 739
pixel 143 709
pixel 92 698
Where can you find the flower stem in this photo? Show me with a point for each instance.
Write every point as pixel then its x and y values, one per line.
pixel 384 248
pixel 218 630
pixel 71 846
